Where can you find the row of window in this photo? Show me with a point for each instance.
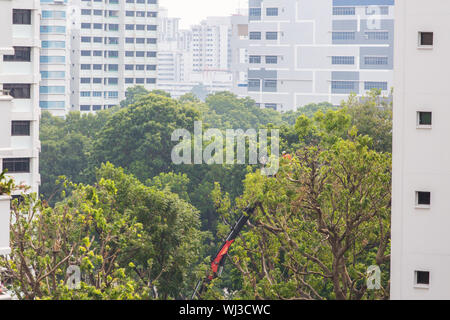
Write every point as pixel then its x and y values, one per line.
pixel 256 35
pixel 115 54
pixel 95 107
pixel 126 1
pixel 336 35
pixel 115 67
pixel 335 60
pixel 256 12
pixel 369 35
pixel 52 104
pixel 351 11
pixel 98 94
pixel 115 81
pixel 353 85
pixel 115 40
pixel 337 85
pixel 51 14
pixel 115 26
pixel 268 59
pixel 53 74
pixel 115 13
pixel 53 29
pixel 368 60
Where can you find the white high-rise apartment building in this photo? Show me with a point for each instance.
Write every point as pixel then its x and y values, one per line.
pixel 19 91
pixel 168 27
pixel 113 47
pixel 211 45
pixel 420 260
pixel 54 59
pixel 304 52
pixel 239 53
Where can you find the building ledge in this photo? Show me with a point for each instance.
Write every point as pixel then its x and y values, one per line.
pixel 5 297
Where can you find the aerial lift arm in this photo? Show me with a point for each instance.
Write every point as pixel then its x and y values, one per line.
pixel 218 261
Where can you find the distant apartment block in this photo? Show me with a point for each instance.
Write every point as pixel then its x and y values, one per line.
pixel 19 91
pixel 304 52
pixel 239 53
pixel 54 58
pixel 200 56
pixel 113 47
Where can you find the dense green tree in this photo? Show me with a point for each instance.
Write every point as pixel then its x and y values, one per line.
pixel 133 94
pixel 321 222
pixel 138 138
pixel 130 242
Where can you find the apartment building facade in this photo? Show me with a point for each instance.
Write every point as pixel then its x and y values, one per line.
pixel 211 45
pixel 113 47
pixel 304 52
pixel 239 53
pixel 54 59
pixel 421 175
pixel 19 87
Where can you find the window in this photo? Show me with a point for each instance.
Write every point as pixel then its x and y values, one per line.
pixel 271 59
pixel 426 39
pixel 377 35
pixel 369 85
pixel 343 85
pixel 272 12
pixel 17 165
pixel 424 119
pixel 254 84
pixel 343 35
pixel 270 106
pixel 85 107
pixel 52 89
pixel 255 59
pixel 270 35
pixel 270 83
pixel 20 128
pixel 344 11
pixel 52 59
pixel 422 279
pixel 254 13
pixel 376 61
pixel 22 54
pixel 255 35
pixel 18 90
pixel 343 60
pixel 21 16
pixel 52 104
pixel 423 199
pixel 113 54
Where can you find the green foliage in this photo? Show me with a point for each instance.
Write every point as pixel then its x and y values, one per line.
pixel 321 221
pixel 133 94
pixel 6 185
pixel 130 242
pixel 177 201
pixel 138 137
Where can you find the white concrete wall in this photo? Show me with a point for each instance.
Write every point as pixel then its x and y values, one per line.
pixel 21 109
pixel 421 157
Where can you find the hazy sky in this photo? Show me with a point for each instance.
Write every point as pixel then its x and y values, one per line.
pixel 193 11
